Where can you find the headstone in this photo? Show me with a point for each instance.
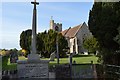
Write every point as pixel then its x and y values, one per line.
pixel 85 53
pixel 13 57
pixel 74 62
pixel 52 56
pixel 97 52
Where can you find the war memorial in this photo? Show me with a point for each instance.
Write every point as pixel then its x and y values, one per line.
pixel 33 67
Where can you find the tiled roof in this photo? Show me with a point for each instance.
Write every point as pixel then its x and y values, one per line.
pixel 71 32
pixel 64 32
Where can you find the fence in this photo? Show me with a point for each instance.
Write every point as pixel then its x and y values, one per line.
pixel 79 71
pixel 112 71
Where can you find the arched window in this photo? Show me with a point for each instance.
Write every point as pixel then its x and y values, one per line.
pixel 56 28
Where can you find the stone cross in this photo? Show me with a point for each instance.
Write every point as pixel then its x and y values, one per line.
pixel 34 25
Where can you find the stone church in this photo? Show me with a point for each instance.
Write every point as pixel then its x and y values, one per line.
pixel 75 35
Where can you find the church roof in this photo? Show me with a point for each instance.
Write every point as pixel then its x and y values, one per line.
pixel 65 31
pixel 71 32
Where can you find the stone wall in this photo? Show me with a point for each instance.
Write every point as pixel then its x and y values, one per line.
pixel 82 71
pixel 61 71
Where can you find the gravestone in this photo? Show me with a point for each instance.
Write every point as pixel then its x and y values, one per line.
pixel 85 53
pixel 13 57
pixel 52 56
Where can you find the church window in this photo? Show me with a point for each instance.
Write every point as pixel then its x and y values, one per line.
pixel 56 28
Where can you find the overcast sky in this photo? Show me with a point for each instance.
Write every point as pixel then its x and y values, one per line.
pixel 17 16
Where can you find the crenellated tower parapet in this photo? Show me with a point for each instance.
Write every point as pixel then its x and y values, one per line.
pixel 55 26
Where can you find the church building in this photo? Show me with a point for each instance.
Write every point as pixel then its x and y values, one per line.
pixel 75 35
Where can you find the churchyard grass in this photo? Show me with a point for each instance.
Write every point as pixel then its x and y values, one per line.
pixel 6 65
pixel 81 59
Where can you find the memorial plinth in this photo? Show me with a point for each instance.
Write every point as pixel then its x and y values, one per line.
pixel 33 69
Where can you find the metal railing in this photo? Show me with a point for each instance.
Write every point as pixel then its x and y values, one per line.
pixel 112 71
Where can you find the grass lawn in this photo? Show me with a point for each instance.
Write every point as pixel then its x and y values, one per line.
pixel 80 59
pixel 6 65
pixel 84 59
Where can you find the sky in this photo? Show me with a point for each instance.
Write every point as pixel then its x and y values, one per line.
pixel 17 17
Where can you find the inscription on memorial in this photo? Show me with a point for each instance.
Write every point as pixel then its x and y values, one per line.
pixel 33 70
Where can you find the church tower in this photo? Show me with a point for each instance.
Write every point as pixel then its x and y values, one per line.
pixel 55 26
pixel 51 23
